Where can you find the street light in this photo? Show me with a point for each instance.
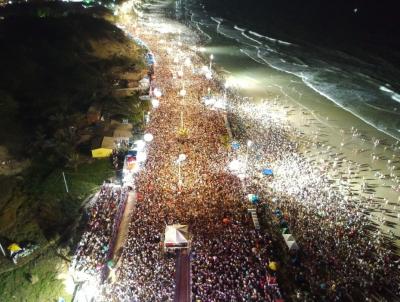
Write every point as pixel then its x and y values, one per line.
pixel 148 137
pixel 226 87
pixel 181 158
pixel 188 62
pixel 155 103
pixel 182 92
pixel 181 119
pixel 249 144
pixel 157 92
pixel 211 59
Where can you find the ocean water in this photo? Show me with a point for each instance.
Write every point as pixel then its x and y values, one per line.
pixel 366 86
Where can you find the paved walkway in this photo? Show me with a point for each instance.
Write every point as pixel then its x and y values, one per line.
pixel 182 289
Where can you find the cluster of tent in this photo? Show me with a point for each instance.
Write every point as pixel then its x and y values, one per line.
pixel 287 236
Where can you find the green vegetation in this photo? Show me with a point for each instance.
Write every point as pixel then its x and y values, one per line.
pixel 57 60
pixel 39 280
pixel 84 180
pixel 57 208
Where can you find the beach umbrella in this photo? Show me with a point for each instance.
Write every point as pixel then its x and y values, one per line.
pixel 267 172
pixel 235 145
pixel 273 266
pixel 110 263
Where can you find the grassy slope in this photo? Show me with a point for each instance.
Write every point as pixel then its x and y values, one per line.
pixel 16 286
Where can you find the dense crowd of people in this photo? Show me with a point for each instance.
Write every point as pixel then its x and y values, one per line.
pixel 342 253
pixel 96 243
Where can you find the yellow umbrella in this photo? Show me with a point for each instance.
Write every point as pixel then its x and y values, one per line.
pixel 14 247
pixel 273 265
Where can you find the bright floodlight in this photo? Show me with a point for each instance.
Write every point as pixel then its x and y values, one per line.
pixel 141 156
pixel 235 165
pixel 140 144
pixel 182 93
pixel 157 93
pixel 204 69
pixel 182 157
pixel 148 137
pixel 211 57
pixel 155 103
pixel 188 62
pixel 249 143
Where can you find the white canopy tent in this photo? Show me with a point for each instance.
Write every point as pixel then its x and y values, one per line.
pixel 176 236
pixel 290 242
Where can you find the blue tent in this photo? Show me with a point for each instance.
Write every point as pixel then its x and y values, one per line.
pixel 254 199
pixel 267 172
pixel 235 145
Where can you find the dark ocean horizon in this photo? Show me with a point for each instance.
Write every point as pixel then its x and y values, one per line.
pixel 342 24
pixel 346 51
